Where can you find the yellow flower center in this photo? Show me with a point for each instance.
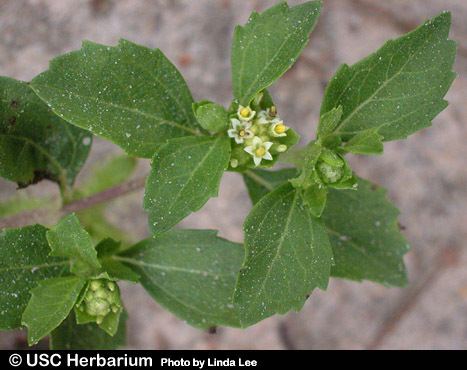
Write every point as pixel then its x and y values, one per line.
pixel 242 133
pixel 260 151
pixel 280 128
pixel 245 112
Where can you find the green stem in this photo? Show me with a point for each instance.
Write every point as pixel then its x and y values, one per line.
pixel 39 215
pixel 258 179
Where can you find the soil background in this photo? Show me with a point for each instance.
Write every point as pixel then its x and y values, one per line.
pixel 426 176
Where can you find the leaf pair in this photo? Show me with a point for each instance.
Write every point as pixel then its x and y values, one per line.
pixel 53 299
pixel 193 273
pixel 186 172
pixel 364 234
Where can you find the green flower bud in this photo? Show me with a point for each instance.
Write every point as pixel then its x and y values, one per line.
pixel 95 285
pixel 234 163
pixel 98 307
pixel 281 148
pixel 331 167
pixel 329 174
pixel 101 299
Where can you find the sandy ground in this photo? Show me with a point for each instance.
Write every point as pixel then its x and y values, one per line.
pixel 426 175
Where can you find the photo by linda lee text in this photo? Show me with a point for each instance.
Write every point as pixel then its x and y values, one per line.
pixel 210 362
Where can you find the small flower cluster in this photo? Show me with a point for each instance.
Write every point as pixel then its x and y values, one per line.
pixel 257 133
pixel 101 298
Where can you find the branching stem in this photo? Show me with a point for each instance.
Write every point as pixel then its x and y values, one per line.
pixel 38 215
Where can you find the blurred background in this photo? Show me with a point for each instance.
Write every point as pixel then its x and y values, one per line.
pixel 426 176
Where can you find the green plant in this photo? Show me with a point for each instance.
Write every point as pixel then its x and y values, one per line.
pixel 309 222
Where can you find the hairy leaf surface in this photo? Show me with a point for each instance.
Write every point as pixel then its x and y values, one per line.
pixel 69 239
pixel 191 273
pixel 399 89
pixel 51 302
pixel 128 94
pixel 36 144
pixel 287 256
pixel 185 173
pixel 268 45
pixel 365 237
pixel 24 261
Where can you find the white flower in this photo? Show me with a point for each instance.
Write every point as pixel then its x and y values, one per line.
pixel 263 118
pixel 240 131
pixel 267 116
pixel 278 129
pixel 245 113
pixel 259 149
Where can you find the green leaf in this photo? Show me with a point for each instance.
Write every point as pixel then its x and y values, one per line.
pixel 115 269
pixel 362 229
pixel 118 271
pixel 365 142
pixel 309 157
pixel 191 273
pixel 51 302
pixel 107 248
pixel 265 101
pixel 261 182
pixel 185 173
pixel 329 121
pixel 367 244
pixel 211 116
pixel 71 336
pixel 399 89
pixel 69 239
pixel 128 94
pixel 288 255
pixel 24 261
pixel 315 197
pixel 35 144
pixel 268 45
pixel 111 323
